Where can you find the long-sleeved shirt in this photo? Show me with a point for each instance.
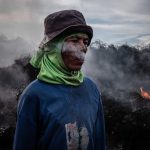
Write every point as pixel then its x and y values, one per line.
pixel 60 117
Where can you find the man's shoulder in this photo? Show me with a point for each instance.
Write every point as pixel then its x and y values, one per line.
pixel 37 87
pixel 33 87
pixel 90 81
pixel 92 89
pixel 34 84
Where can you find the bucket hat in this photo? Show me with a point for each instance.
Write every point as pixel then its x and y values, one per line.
pixel 65 22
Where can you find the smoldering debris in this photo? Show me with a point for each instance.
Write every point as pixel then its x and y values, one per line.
pixel 120 72
pixel 12 82
pixel 127 129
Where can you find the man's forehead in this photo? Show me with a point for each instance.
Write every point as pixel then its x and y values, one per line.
pixel 78 35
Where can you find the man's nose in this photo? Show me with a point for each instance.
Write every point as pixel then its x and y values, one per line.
pixel 83 46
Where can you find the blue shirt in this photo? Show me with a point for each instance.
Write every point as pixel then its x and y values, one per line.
pixel 60 117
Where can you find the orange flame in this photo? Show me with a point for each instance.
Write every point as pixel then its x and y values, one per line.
pixel 144 94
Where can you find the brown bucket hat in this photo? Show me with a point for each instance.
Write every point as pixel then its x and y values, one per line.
pixel 65 22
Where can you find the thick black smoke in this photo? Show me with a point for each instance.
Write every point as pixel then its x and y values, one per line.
pixel 119 71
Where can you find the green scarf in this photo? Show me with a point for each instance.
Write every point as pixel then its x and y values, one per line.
pixel 52 67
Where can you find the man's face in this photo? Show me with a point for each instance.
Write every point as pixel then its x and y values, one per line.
pixel 74 50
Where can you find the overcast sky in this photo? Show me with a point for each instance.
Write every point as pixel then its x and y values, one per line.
pixel 111 20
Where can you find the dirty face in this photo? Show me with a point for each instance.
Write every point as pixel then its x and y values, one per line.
pixel 74 50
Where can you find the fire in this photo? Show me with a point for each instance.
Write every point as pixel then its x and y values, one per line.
pixel 144 94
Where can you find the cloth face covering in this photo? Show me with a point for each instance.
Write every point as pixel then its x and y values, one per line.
pixel 52 68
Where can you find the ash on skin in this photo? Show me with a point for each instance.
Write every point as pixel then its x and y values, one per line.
pixel 75 51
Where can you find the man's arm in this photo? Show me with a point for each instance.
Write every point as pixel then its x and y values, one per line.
pixel 100 141
pixel 26 129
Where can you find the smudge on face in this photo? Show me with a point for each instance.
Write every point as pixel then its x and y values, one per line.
pixel 73 52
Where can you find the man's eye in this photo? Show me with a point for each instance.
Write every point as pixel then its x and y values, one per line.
pixel 86 42
pixel 74 40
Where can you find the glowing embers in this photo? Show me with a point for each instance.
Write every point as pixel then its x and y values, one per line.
pixel 144 94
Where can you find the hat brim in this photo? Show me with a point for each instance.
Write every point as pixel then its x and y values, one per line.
pixel 70 30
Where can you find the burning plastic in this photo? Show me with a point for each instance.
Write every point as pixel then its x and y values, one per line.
pixel 144 93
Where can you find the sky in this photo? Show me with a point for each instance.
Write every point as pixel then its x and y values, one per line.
pixel 112 20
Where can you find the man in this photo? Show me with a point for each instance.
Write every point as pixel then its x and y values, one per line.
pixel 61 109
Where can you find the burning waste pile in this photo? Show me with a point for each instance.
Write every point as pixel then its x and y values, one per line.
pixel 13 80
pixel 123 76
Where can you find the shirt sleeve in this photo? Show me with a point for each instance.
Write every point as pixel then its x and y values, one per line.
pixel 100 140
pixel 27 124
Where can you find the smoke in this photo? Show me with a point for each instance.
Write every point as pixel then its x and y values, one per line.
pixel 14 57
pixel 75 52
pixel 119 71
pixel 11 49
pixel 124 67
pixel 13 78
